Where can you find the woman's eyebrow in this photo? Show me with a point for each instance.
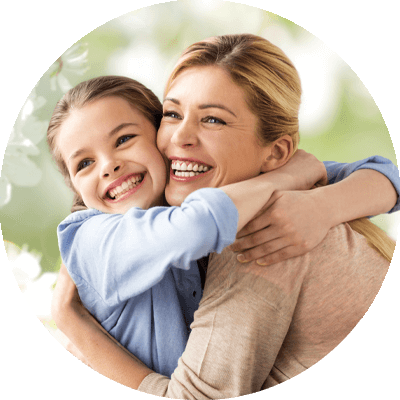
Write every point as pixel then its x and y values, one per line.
pixel 222 107
pixel 203 106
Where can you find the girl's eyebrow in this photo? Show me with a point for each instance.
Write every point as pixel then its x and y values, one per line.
pixel 78 152
pixel 203 106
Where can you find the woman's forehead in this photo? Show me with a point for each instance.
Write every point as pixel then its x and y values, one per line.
pixel 206 84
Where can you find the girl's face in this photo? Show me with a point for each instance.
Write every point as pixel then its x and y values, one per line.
pixel 110 150
pixel 208 133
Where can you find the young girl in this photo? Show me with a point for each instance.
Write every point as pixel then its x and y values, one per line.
pixel 134 267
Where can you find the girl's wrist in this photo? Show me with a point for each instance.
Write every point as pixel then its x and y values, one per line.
pixel 329 210
pixel 280 181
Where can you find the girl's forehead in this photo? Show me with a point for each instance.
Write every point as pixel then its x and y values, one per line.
pixel 98 122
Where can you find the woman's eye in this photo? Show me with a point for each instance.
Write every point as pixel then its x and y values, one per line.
pixel 83 164
pixel 170 114
pixel 124 139
pixel 213 120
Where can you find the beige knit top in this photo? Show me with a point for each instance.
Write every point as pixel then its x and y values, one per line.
pixel 260 326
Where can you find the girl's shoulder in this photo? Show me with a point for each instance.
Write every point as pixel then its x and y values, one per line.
pixel 80 216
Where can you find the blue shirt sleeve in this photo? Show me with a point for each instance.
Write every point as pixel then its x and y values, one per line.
pixel 339 171
pixel 121 256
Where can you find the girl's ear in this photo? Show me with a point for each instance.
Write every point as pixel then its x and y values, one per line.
pixel 280 152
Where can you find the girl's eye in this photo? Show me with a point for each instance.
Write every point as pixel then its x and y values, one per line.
pixel 124 139
pixel 83 164
pixel 213 120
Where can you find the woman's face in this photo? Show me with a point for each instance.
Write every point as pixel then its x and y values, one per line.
pixel 110 150
pixel 208 133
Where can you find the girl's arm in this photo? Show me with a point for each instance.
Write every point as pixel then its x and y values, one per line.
pixel 252 195
pixel 297 221
pixel 116 257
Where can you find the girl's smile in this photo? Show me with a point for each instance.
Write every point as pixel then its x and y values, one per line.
pixel 111 155
pixel 124 187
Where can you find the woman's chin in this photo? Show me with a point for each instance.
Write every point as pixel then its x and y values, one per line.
pixel 176 194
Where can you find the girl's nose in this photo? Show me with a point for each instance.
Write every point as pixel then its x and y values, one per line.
pixel 110 167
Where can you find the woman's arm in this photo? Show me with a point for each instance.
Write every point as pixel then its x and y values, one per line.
pixel 214 323
pixel 297 221
pixel 89 341
pixel 208 369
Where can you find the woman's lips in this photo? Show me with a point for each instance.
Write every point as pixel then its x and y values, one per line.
pixel 187 170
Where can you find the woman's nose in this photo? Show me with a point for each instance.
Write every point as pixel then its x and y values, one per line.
pixel 185 135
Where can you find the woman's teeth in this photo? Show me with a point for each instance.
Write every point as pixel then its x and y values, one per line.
pixel 130 183
pixel 188 169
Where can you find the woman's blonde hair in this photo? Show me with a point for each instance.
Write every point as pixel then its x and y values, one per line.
pixel 268 78
pixel 136 94
pixel 272 90
pixel 376 237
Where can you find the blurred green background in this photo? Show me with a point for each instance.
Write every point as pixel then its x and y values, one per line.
pixel 339 120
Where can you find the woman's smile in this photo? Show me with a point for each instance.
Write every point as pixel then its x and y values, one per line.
pixel 208 133
pixel 187 170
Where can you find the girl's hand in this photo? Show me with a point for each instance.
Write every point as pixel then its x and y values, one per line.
pixel 291 226
pixel 301 172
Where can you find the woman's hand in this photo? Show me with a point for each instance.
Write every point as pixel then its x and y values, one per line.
pixel 66 303
pixel 292 225
pixel 66 300
pixel 87 339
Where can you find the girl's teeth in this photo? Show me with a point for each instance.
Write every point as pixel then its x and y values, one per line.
pixel 195 168
pixel 125 186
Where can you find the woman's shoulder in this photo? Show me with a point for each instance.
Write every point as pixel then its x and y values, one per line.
pixel 342 258
pixel 344 262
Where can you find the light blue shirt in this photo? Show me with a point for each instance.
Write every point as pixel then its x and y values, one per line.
pixel 137 274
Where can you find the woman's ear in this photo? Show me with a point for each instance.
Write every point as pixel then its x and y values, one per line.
pixel 280 152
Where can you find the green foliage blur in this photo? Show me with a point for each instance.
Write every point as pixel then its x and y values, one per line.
pixel 144 45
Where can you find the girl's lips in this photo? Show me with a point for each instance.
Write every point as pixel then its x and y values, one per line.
pixel 128 193
pixel 120 180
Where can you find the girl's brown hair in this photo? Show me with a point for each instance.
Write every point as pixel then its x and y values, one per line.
pixel 136 94
pixel 273 92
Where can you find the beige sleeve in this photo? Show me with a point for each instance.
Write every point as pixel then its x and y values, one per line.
pixel 236 335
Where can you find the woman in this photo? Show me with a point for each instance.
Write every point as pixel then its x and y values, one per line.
pixel 255 327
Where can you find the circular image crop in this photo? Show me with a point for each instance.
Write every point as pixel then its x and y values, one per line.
pixel 258 326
